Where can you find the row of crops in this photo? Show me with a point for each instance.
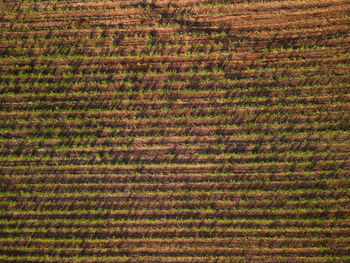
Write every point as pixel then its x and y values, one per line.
pixel 174 131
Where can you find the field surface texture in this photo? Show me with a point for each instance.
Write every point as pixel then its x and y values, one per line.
pixel 175 131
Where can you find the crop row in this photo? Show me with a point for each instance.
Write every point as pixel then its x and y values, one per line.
pixel 159 104
pixel 194 224
pixel 174 232
pixel 187 251
pixel 175 259
pixel 195 77
pixel 252 243
pixel 165 178
pixel 140 187
pixel 230 120
pixel 172 168
pixel 51 11
pixel 237 145
pixel 277 195
pixel 314 160
pixel 267 129
pixel 138 214
pixel 221 85
pixel 106 60
pixel 174 204
pixel 230 149
pixel 130 7
pixel 163 113
pixel 126 42
pixel 215 22
pixel 165 42
pixel 187 94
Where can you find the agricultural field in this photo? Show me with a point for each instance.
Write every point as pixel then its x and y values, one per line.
pixel 175 131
